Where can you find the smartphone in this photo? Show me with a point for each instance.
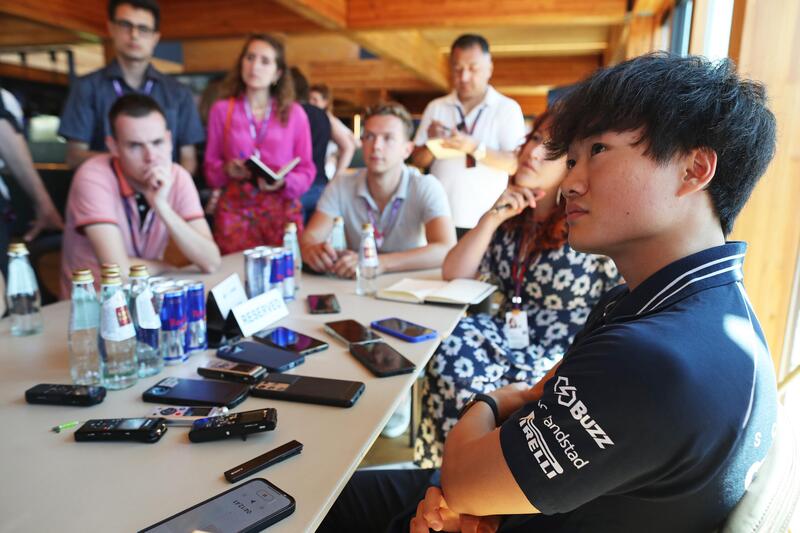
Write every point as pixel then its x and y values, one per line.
pixel 191 392
pixel 53 394
pixel 233 425
pixel 254 353
pixel 246 508
pixel 291 340
pixel 381 359
pixel 319 304
pixel 306 389
pixel 147 430
pixel 230 371
pixel 403 329
pixel 350 332
pixel 184 416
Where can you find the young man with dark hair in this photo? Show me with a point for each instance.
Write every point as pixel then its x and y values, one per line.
pixel 133 26
pixel 408 210
pixel 663 408
pixel 124 207
pixel 476 120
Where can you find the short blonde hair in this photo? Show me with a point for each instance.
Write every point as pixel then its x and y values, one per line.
pixel 393 109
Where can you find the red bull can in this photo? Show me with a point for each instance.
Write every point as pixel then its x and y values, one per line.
pixel 173 327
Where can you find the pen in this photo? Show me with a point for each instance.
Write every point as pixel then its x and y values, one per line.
pixel 66 425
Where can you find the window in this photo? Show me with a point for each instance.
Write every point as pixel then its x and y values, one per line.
pixel 681 27
pixel 718 29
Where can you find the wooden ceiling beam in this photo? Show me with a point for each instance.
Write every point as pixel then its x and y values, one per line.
pixel 32 74
pixel 18 33
pixel 368 14
pixel 408 48
pixel 202 19
pixel 88 16
pixel 329 14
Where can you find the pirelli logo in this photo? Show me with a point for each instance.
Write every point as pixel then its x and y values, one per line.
pixel 538 447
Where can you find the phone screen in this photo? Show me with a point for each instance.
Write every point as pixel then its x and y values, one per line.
pixel 290 340
pixel 323 303
pixel 383 357
pixel 351 331
pixel 405 328
pixel 235 510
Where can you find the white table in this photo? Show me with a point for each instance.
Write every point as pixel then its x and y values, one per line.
pixel 51 483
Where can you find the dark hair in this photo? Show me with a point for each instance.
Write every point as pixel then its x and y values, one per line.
pixel 283 89
pixel 147 5
pixel 325 91
pixel 550 234
pixel 392 109
pixel 468 40
pixel 681 103
pixel 134 105
pixel 300 84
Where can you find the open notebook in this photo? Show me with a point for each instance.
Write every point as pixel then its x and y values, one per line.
pixel 260 169
pixel 458 291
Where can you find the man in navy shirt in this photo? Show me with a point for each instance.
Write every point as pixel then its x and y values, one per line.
pixel 662 410
pixel 133 26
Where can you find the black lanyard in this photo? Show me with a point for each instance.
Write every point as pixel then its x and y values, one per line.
pixel 147 226
pixel 462 126
pixel 519 268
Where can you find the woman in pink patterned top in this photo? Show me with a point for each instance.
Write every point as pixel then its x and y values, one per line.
pixel 257 116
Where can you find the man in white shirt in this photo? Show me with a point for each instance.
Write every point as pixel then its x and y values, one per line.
pixel 476 120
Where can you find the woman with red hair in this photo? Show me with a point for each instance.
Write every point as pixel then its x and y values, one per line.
pixel 549 290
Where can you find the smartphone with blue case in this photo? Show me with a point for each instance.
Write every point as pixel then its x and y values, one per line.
pixel 403 329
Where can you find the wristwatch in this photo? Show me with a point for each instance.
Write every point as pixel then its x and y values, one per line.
pixel 480 152
pixel 485 398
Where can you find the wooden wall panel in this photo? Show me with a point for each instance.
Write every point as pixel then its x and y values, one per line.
pixel 543 71
pixel 32 74
pixel 330 14
pixel 531 104
pixel 770 222
pixel 364 74
pixel 371 14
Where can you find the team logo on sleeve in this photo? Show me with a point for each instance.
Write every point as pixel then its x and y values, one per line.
pixel 537 445
pixel 568 397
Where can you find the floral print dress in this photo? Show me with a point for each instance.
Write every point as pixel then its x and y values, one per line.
pixel 559 289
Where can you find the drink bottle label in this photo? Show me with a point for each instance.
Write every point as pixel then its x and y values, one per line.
pixel 145 312
pixel 115 322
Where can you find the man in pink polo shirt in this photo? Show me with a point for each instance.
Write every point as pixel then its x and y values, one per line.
pixel 123 207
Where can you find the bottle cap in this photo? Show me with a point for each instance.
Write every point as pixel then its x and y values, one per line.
pixel 110 278
pixel 338 220
pixel 17 248
pixel 109 268
pixel 291 226
pixel 138 271
pixel 82 275
pixel 367 226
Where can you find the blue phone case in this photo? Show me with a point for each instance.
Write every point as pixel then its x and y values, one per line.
pixel 432 334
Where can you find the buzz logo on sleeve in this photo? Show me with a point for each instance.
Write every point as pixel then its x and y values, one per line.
pixel 568 397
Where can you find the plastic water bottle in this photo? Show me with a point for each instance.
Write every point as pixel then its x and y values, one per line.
pixel 22 293
pixel 367 268
pixel 145 321
pixel 290 242
pixel 337 238
pixel 85 364
pixel 120 369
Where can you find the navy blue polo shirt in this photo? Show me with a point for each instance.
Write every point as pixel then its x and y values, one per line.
pixel 660 413
pixel 85 115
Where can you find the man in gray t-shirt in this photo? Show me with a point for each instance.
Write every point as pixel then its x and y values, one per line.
pixel 409 211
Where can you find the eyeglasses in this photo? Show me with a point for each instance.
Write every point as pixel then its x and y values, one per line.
pixel 141 29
